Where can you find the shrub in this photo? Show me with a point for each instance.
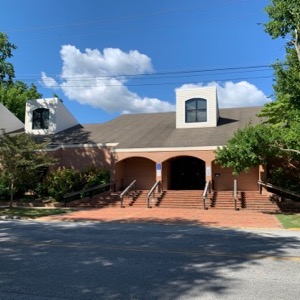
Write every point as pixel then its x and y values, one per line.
pixel 22 185
pixel 62 181
pixel 94 176
pixel 4 187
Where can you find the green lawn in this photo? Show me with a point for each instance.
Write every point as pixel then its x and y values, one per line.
pixel 289 220
pixel 32 212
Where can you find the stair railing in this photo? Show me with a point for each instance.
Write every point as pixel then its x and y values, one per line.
pixel 132 186
pixel 157 185
pixel 89 189
pixel 205 192
pixel 281 190
pixel 235 193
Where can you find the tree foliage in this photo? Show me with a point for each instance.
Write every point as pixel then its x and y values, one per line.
pixel 249 147
pixel 59 182
pixel 285 109
pixel 13 94
pixel 276 141
pixel 7 72
pixel 284 21
pixel 21 161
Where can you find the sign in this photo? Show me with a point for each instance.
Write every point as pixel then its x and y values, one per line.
pixel 158 169
pixel 208 171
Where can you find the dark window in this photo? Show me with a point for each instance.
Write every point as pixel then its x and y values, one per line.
pixel 40 118
pixel 195 110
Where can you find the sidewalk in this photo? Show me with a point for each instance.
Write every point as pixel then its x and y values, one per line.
pixel 216 218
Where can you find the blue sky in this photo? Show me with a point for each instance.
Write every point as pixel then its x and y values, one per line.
pixel 107 57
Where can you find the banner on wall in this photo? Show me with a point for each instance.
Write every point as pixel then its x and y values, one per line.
pixel 208 171
pixel 158 169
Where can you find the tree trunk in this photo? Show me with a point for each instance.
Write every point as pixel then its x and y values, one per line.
pixel 296 44
pixel 11 194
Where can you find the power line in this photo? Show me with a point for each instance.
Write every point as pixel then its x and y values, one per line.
pixel 153 78
pixel 226 70
pixel 158 84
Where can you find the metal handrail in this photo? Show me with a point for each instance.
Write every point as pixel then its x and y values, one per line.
pixel 126 191
pixel 152 191
pixel 88 189
pixel 96 187
pixel 205 192
pixel 270 185
pixel 235 193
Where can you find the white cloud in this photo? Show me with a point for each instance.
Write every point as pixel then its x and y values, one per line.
pixel 95 79
pixel 240 94
pixel 49 82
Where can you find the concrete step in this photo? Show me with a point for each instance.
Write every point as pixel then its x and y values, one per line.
pixel 247 200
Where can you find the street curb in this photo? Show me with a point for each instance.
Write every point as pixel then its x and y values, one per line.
pixel 12 218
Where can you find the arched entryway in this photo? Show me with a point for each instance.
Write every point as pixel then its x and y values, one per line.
pixel 186 173
pixel 141 169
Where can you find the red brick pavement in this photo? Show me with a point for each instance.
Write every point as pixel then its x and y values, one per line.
pixel 218 218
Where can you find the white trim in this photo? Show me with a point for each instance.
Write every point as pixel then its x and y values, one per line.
pixel 173 149
pixel 112 145
pixel 207 93
pixel 98 145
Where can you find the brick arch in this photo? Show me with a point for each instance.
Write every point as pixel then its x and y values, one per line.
pixel 174 156
pixel 184 172
pixel 138 168
pixel 134 156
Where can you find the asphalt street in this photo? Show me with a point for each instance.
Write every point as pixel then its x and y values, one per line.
pixel 86 260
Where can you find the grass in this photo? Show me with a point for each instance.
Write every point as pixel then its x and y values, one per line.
pixel 32 213
pixel 289 220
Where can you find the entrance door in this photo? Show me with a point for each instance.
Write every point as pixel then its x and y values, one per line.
pixel 187 173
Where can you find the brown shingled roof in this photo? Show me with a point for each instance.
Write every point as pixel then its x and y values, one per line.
pixel 157 130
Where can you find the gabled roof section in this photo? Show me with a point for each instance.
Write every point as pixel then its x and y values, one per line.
pixel 157 130
pixel 8 121
pixel 58 116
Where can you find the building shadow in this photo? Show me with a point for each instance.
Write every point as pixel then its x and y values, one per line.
pixel 132 261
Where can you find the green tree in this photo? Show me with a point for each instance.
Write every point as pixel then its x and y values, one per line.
pixel 249 147
pixel 284 21
pixel 22 161
pixel 286 107
pixel 13 94
pixel 276 141
pixel 7 72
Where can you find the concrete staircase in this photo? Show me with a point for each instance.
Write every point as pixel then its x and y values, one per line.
pixel 221 200
pixel 252 200
pixel 106 199
pixel 136 198
pixel 181 199
pixel 247 200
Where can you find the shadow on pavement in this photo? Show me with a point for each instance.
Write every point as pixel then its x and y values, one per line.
pixel 128 261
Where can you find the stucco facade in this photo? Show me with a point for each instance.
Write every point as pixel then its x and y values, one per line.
pixel 148 166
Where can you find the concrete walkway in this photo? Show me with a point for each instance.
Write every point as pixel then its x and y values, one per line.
pixel 217 218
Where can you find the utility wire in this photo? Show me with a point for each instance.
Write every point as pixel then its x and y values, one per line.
pixel 157 84
pixel 258 68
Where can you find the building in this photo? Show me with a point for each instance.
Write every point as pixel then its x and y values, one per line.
pixel 8 121
pixel 176 148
